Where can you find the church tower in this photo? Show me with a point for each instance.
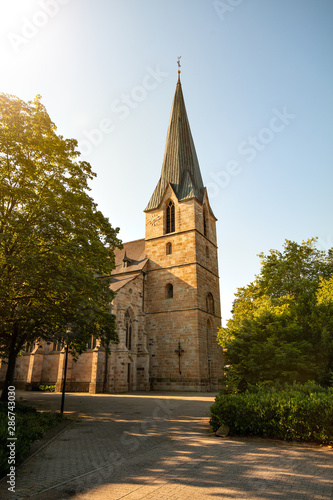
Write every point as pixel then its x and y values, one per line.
pixel 167 297
pixel 182 297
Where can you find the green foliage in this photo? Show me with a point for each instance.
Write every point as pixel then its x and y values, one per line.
pixel 56 248
pixel 30 426
pixel 46 388
pixel 282 324
pixel 325 292
pixel 303 413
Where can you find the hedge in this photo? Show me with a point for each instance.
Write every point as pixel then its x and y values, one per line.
pixel 302 413
pixel 30 426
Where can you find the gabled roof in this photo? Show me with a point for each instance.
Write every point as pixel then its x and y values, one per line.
pixel 133 253
pixel 180 164
pixel 121 281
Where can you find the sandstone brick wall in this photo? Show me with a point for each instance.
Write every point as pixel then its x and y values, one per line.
pixel 50 368
pixel 129 370
pixel 21 370
pixel 192 269
pixel 210 352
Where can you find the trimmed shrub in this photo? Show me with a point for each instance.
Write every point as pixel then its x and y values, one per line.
pixel 303 413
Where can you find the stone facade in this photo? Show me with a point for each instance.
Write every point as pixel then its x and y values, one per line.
pixel 191 317
pixel 167 302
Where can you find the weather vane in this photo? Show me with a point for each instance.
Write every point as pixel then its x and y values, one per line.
pixel 179 66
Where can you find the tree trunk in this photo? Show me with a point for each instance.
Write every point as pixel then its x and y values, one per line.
pixel 9 376
pixel 11 365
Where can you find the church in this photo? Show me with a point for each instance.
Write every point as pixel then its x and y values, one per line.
pixel 167 301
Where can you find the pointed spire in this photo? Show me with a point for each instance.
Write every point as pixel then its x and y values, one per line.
pixel 126 259
pixel 180 164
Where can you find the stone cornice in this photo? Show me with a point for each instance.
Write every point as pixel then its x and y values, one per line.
pixel 168 235
pixel 183 265
pixel 185 309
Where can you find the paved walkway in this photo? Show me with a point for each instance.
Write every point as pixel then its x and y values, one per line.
pixel 159 446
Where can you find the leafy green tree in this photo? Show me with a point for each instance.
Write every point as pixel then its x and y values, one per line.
pixel 281 329
pixel 322 320
pixel 56 247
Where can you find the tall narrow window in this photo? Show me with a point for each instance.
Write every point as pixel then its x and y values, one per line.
pixel 92 342
pixel 58 346
pixel 170 218
pixel 169 291
pixel 210 303
pixel 129 376
pixel 169 248
pixel 128 328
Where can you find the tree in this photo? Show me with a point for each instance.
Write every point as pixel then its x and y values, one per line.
pixel 323 321
pixel 56 247
pixel 282 327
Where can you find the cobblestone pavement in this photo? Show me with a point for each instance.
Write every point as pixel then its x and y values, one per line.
pixel 159 446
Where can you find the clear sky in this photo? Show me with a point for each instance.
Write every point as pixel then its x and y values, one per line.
pixel 257 79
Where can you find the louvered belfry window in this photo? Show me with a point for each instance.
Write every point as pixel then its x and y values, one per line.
pixel 170 218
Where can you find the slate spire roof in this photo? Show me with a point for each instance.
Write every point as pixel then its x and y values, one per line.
pixel 180 164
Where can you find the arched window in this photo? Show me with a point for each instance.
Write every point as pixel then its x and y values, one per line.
pixel 169 291
pixel 169 248
pixel 128 329
pixel 210 303
pixel 170 217
pixel 57 346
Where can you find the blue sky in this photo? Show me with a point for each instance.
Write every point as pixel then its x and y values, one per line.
pixel 257 78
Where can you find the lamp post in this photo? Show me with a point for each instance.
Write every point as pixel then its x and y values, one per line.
pixel 64 383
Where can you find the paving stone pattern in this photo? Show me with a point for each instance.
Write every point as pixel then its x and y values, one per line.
pixel 159 446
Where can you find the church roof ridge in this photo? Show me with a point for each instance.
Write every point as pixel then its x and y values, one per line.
pixel 180 166
pixel 132 241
